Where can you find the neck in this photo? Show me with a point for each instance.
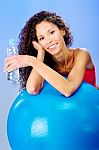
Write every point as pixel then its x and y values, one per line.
pixel 62 56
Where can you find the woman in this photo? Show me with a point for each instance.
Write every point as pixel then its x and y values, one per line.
pixel 45 54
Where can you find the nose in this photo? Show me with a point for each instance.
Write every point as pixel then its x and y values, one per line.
pixel 48 40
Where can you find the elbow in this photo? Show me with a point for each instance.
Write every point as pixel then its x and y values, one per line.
pixel 70 91
pixel 68 94
pixel 32 90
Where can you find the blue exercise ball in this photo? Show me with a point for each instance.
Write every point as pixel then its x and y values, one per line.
pixel 50 121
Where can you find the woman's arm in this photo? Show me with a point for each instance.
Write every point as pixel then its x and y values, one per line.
pixel 75 78
pixel 65 86
pixel 35 80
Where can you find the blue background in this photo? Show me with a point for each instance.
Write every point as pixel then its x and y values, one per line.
pixel 83 17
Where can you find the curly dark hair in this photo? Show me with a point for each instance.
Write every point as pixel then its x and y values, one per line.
pixel 28 34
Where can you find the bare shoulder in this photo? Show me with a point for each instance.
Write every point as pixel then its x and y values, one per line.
pixel 83 58
pixel 81 51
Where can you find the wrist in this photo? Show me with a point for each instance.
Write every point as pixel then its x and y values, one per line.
pixel 41 55
pixel 30 60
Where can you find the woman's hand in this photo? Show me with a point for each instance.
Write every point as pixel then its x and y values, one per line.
pixel 41 51
pixel 17 61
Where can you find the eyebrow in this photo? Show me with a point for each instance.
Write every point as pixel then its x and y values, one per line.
pixel 47 31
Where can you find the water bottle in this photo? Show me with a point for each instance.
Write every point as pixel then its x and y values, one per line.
pixel 12 50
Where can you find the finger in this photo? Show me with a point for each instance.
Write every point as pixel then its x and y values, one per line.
pixel 10 68
pixel 8 62
pixel 36 45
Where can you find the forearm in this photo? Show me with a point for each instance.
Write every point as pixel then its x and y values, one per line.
pixel 54 78
pixel 35 81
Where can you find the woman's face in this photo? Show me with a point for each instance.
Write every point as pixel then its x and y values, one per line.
pixel 50 37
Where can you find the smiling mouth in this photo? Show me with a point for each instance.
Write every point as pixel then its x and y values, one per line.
pixel 52 46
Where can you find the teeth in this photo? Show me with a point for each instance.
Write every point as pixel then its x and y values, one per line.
pixel 52 46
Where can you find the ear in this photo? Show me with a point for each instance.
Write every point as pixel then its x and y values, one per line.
pixel 63 32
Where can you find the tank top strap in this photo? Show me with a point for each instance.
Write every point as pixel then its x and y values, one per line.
pixel 73 56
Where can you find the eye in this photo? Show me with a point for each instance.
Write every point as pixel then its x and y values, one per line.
pixel 52 32
pixel 41 38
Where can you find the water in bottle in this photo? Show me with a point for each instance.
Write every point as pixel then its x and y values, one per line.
pixel 12 50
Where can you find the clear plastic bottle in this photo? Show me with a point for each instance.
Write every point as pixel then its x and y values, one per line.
pixel 12 50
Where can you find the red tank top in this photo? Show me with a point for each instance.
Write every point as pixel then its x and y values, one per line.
pixel 89 75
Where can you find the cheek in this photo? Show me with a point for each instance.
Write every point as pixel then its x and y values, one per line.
pixel 61 43
pixel 58 37
pixel 61 40
pixel 42 44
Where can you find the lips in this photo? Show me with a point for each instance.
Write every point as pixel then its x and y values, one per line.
pixel 53 46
